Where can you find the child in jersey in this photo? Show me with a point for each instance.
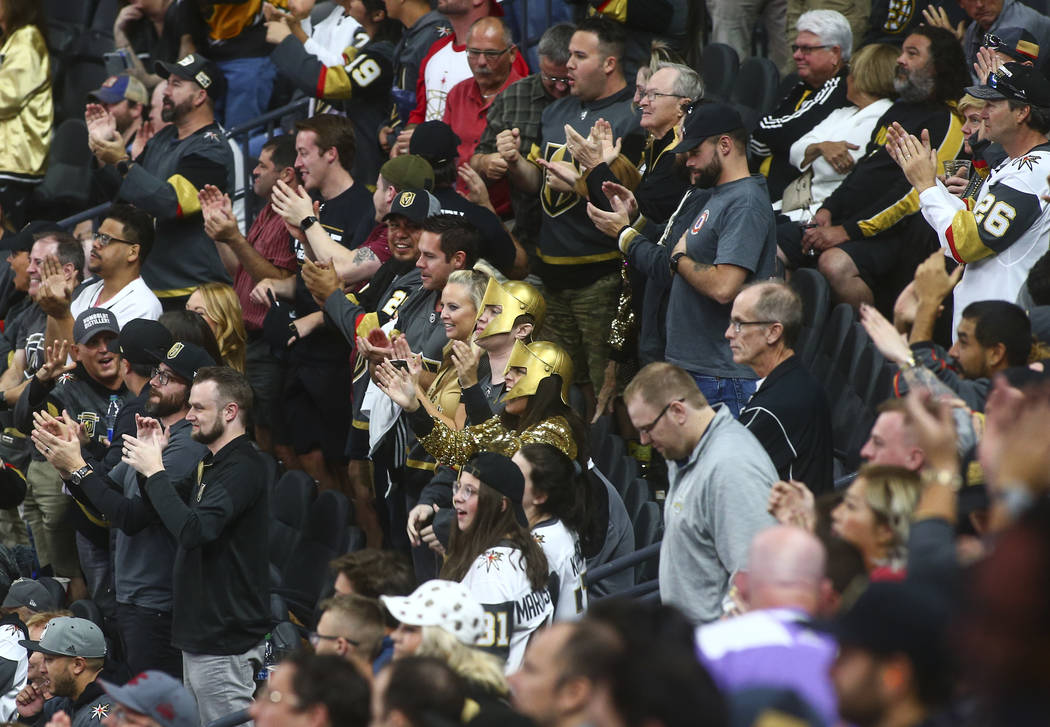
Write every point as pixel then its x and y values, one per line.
pixel 554 508
pixel 491 552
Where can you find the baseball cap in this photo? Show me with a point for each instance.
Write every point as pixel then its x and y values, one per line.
pixel 159 696
pixel 408 171
pixel 92 322
pixel 897 617
pixel 1017 43
pixel 142 341
pixel 707 119
pixel 414 204
pixel 501 474
pixel 30 594
pixel 1015 82
pixel 435 141
pixel 69 636
pixel 447 604
pixel 117 88
pixel 195 67
pixel 22 241
pixel 186 358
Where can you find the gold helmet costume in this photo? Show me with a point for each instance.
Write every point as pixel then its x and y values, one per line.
pixel 516 299
pixel 540 359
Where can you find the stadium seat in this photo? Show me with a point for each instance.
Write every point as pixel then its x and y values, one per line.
pixel 290 506
pixel 68 180
pixel 599 431
pixel 635 493
pixel 755 88
pixel 608 451
pixel 831 341
pixel 815 292
pixel 323 538
pixel 79 70
pixel 87 609
pixel 718 69
pixel 648 529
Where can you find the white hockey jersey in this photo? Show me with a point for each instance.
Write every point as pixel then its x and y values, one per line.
pixel 513 610
pixel 1001 234
pixel 567 568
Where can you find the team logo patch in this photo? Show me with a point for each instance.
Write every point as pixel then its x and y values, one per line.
pixel 700 222
pixel 492 560
pixel 407 198
pixel 203 79
pixel 67 378
pixel 100 712
pixel 1028 161
pixel 88 420
pixel 540 538
pixel 174 351
pixel 187 61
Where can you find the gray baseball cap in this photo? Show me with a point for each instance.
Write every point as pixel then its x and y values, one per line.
pixel 158 696
pixel 29 594
pixel 68 636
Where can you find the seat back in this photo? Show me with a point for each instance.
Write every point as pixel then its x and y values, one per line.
pixel 324 536
pixel 813 289
pixel 290 505
pixel 718 69
pixel 67 182
pixel 756 85
pixel 648 529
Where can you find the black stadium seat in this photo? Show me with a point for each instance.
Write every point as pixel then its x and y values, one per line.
pixel 815 292
pixel 648 529
pixel 290 505
pixel 719 69
pixel 67 183
pixel 755 88
pixel 324 537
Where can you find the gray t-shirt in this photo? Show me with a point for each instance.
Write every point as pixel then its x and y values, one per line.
pixel 735 227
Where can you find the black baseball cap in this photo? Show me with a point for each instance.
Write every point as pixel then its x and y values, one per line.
pixel 1017 43
pixel 705 120
pixel 92 322
pixel 435 141
pixel 195 67
pixel 501 474
pixel 1014 82
pixel 186 358
pixel 142 341
pixel 415 205
pixel 22 241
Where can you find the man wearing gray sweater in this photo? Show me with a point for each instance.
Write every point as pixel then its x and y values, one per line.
pixel 720 478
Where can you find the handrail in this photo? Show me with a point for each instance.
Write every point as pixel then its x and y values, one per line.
pixel 73 220
pixel 263 119
pixel 637 591
pixel 623 563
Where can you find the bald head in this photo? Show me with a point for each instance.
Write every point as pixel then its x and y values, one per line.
pixel 785 569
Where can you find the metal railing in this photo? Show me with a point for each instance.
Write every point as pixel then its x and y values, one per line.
pixel 623 563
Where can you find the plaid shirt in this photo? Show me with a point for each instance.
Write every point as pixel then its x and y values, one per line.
pixel 520 105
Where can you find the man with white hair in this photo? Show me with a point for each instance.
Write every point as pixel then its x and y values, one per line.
pixel 772 646
pixel 821 52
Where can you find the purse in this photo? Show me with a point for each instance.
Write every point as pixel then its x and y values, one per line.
pixel 798 194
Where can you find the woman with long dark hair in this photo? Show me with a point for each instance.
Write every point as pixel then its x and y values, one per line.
pixel 553 505
pixel 492 553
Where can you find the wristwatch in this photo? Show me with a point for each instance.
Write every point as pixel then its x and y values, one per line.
pixel 674 262
pixel 77 477
pixel 307 222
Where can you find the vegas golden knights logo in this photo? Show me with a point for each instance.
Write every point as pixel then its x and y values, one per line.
pixel 557 203
pixel 88 420
pixel 174 350
pixel 407 198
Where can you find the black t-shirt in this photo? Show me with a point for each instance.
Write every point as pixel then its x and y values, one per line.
pixel 341 217
pixel 496 245
pixel 161 47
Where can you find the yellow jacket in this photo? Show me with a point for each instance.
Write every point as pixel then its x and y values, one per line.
pixel 26 110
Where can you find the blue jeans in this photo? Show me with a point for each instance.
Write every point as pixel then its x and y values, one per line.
pixel 249 83
pixel 734 393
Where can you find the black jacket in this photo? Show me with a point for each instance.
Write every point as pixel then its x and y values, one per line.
pixel 222 578
pixel 790 417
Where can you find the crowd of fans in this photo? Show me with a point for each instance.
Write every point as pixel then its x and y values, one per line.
pixel 470 246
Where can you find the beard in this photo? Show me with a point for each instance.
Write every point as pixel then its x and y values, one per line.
pixel 207 436
pixel 62 684
pixel 707 177
pixel 914 86
pixel 172 112
pixel 163 406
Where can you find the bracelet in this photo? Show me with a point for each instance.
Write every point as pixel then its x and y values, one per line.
pixel 946 478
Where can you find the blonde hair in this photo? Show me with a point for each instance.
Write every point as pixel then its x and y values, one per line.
pixel 223 307
pixel 873 68
pixel 473 665
pixel 892 494
pixel 970 102
pixel 473 281
pixel 44 617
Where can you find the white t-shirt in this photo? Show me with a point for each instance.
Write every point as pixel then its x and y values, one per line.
pixel 135 300
pixel 513 610
pixel 567 568
pixel 14 665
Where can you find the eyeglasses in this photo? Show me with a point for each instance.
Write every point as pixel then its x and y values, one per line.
pixel 647 428
pixel 103 239
pixel 737 325
pixel 807 49
pixel 468 491
pixel 555 79
pixel 316 638
pixel 650 95
pixel 163 377
pixel 487 53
